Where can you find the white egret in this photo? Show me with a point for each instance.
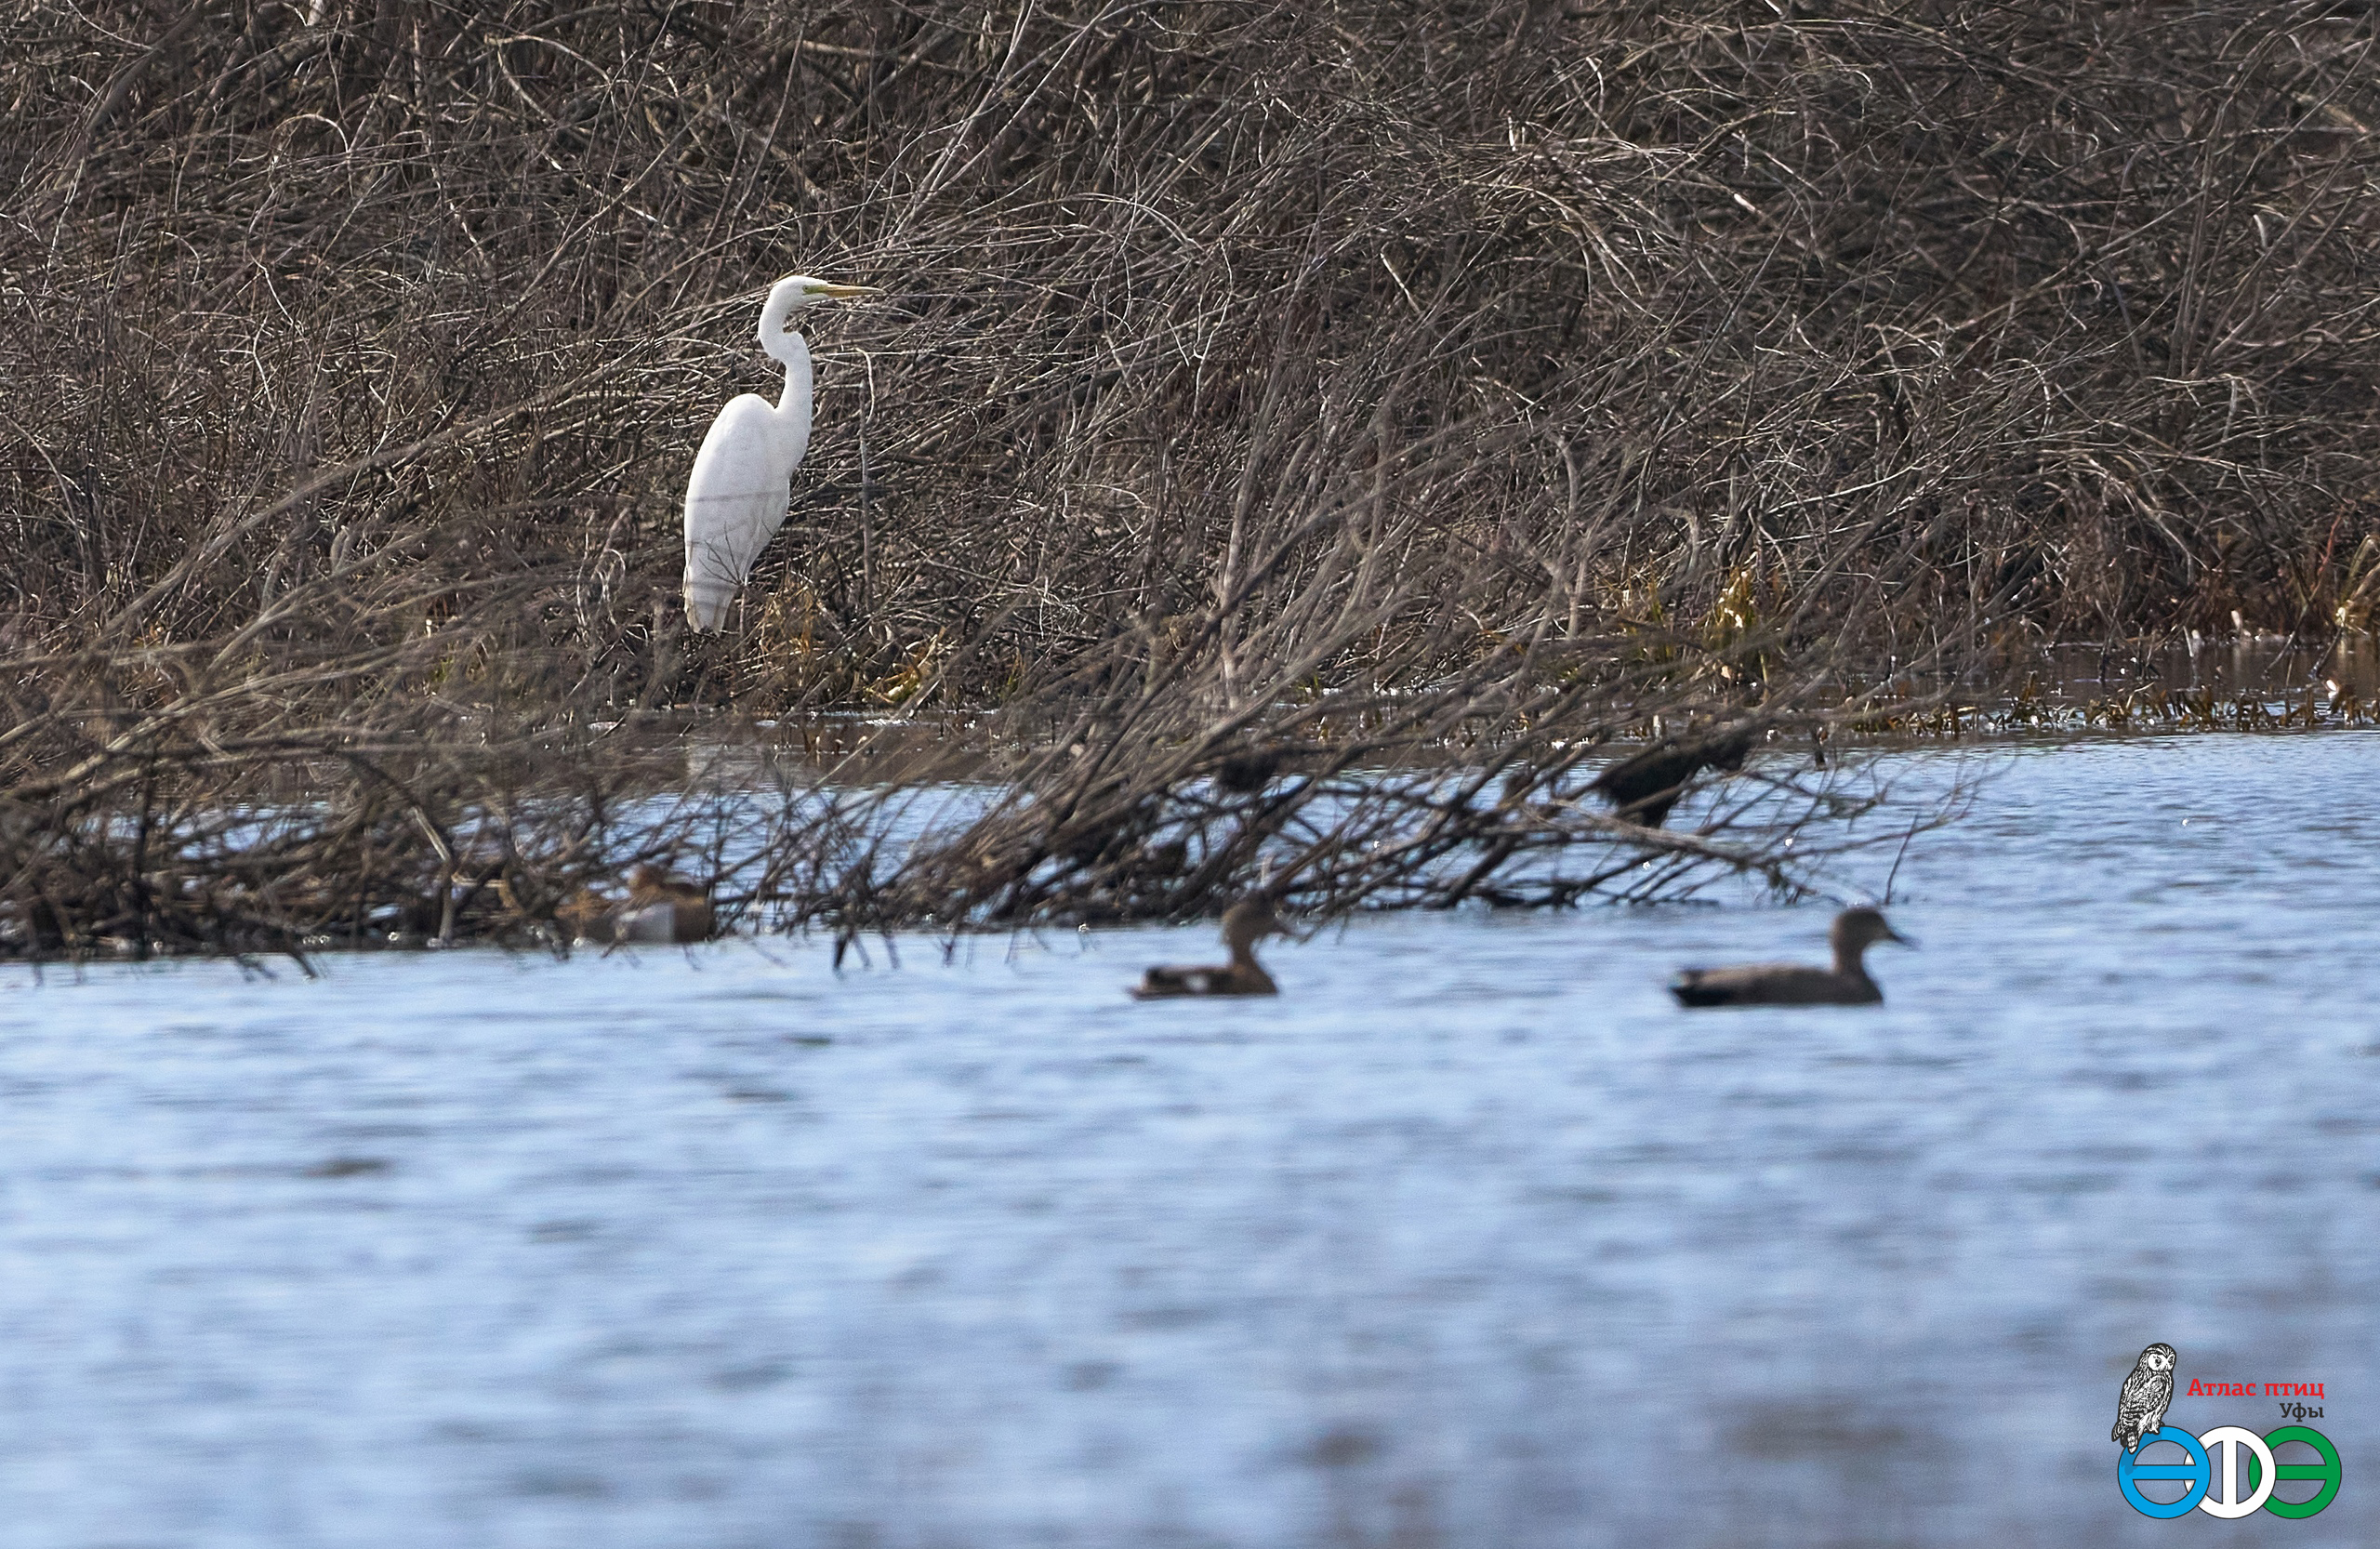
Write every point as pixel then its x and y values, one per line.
pixel 742 485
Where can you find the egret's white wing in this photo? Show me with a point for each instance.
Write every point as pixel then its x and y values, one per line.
pixel 735 501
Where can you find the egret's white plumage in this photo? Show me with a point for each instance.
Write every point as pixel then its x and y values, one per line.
pixel 742 485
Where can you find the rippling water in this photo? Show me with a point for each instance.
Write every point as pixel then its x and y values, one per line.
pixel 1470 1238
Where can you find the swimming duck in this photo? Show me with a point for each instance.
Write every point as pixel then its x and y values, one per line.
pixel 1788 984
pixel 1245 924
pixel 656 910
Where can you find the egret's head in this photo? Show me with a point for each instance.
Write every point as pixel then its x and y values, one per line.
pixel 793 293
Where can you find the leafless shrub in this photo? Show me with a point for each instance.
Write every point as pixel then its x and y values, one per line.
pixel 1267 396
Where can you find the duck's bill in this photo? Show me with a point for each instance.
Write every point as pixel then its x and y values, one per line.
pixel 1892 935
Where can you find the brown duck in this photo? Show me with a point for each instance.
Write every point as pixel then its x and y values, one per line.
pixel 656 910
pixel 1245 924
pixel 1789 983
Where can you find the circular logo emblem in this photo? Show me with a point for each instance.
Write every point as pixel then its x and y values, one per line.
pixel 2227 1440
pixel 2129 1471
pixel 2210 1471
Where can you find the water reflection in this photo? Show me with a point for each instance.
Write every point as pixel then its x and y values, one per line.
pixel 1469 1238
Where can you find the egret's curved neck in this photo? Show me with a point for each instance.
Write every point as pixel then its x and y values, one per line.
pixel 784 345
pixel 793 409
pixel 795 352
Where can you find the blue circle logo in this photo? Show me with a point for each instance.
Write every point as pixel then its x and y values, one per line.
pixel 2197 1471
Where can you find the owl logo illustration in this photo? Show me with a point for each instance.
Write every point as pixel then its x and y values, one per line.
pixel 2140 1408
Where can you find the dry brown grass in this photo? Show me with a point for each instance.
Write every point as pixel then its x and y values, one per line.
pixel 1322 384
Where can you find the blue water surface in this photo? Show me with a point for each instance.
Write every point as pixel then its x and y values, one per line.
pixel 1469 1238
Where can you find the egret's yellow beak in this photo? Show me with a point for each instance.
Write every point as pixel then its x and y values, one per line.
pixel 843 293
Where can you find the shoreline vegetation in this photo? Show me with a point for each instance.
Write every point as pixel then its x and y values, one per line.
pixel 1299 449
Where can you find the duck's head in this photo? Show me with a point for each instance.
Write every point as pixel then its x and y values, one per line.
pixel 1856 930
pixel 651 883
pixel 1248 921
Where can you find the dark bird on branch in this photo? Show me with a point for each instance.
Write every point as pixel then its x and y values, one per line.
pixel 1644 788
pixel 1246 774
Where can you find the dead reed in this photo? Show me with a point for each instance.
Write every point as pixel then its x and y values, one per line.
pixel 1312 429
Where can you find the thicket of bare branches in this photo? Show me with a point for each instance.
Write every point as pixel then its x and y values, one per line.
pixel 1278 388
